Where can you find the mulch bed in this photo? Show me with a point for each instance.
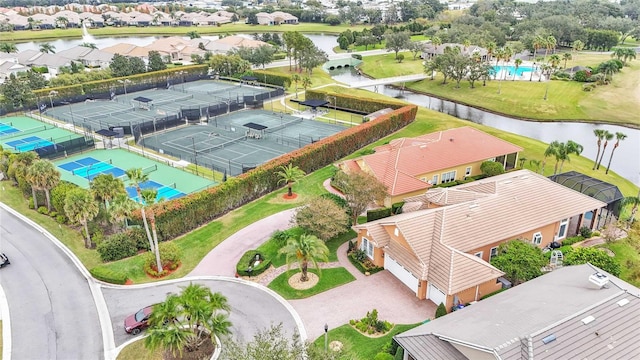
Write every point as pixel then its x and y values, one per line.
pixel 287 197
pixel 204 352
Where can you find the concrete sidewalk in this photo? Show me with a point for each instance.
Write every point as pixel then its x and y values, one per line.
pixel 223 258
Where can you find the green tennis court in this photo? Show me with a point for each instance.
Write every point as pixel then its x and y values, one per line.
pixel 78 170
pixel 29 134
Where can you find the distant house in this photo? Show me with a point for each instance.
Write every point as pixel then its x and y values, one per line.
pixel 92 20
pixel 92 58
pixel 140 19
pixel 43 22
pixel 431 50
pixel 442 244
pixel 53 62
pixel 229 43
pixel 128 50
pixel 575 312
pixel 410 166
pixel 7 68
pixel 276 18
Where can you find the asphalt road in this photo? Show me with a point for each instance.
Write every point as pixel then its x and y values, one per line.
pixel 251 308
pixel 53 315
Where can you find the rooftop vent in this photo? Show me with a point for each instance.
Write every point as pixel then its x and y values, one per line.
pixel 549 338
pixel 623 302
pixel 507 182
pixel 599 279
pixel 473 206
pixel 451 139
pixel 423 146
pixel 588 319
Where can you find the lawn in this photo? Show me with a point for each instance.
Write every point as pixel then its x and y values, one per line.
pixel 628 257
pixel 377 46
pixel 523 99
pixel 360 346
pixel 137 351
pixel 43 35
pixel 329 279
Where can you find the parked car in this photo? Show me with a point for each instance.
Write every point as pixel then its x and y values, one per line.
pixel 135 323
pixel 4 260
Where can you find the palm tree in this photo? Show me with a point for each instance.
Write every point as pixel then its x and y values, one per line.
pixel 599 133
pixel 571 147
pixel 193 35
pixel 618 53
pixel 8 48
pixel 538 42
pixel 296 79
pixel 81 207
pixel 576 47
pixel 565 57
pixel 306 82
pixel 554 60
pixel 288 175
pixel 607 136
pixel 121 208
pixel 635 202
pixel 42 175
pixel 491 49
pixel 137 177
pixel 535 164
pixel 619 137
pixel 105 188
pixel 149 197
pixel 550 43
pixel 187 321
pixel 466 43
pixel 517 63
pixel 608 67
pixel 48 48
pixel 304 250
pixel 551 150
pixel 62 21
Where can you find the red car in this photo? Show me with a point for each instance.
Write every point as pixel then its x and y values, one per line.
pixel 135 323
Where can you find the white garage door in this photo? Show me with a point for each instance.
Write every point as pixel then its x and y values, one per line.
pixel 401 273
pixel 436 295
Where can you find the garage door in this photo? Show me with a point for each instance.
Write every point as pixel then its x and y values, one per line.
pixel 436 295
pixel 401 273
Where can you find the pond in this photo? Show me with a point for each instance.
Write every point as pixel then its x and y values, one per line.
pixel 626 161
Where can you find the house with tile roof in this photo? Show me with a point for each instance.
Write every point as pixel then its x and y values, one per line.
pixel 276 18
pixel 432 50
pixel 126 49
pixel 574 312
pixel 441 245
pixel 410 166
pixel 92 58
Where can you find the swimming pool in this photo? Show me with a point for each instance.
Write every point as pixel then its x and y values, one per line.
pixel 511 70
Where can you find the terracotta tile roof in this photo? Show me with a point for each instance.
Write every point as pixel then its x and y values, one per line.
pixel 239 41
pixel 127 50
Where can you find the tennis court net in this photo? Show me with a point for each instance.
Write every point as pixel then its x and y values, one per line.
pixel 284 125
pixel 221 146
pixel 149 169
pixel 173 100
pixel 105 115
pixel 25 132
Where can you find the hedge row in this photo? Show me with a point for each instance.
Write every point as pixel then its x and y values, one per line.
pixel 179 216
pixel 108 275
pixel 354 102
pixel 248 259
pixel 376 214
pixel 272 78
pixel 107 84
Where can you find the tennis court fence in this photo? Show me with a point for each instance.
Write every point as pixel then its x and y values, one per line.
pixel 66 147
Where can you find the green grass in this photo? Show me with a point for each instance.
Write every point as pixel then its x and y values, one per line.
pixel 41 35
pixel 137 351
pixel 376 46
pixel 198 243
pixel 628 258
pixel 329 279
pixel 360 346
pixel 566 101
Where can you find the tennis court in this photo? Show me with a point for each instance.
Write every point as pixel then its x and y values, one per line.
pixel 27 134
pixel 6 129
pixel 238 142
pixel 29 143
pixel 170 182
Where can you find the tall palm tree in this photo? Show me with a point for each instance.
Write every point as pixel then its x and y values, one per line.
pixel 551 150
pixel 635 202
pixel 619 137
pixel 550 43
pixel 136 177
pixel 296 79
pixel 306 82
pixel 535 164
pixel 607 136
pixel 577 46
pixel 42 175
pixel 466 43
pixel 554 60
pixel 599 133
pixel 149 197
pixel 105 188
pixel 8 48
pixel 121 208
pixel 538 42
pixel 303 250
pixel 565 57
pixel 81 207
pixel 517 63
pixel 48 48
pixel 571 147
pixel 186 321
pixel 62 21
pixel 491 48
pixel 288 175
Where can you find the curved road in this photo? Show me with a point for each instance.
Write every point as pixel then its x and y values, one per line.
pixel 52 312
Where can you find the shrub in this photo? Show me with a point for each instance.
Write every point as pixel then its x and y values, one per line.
pixel 248 259
pixel 588 87
pixel 339 200
pixel 43 210
pixel 352 245
pixel 399 58
pixel 59 193
pixel 356 56
pixel 491 294
pixel 108 275
pixel 397 208
pixel 585 232
pixel 61 219
pixel 376 214
pixel 359 255
pixel 370 324
pixel 116 247
pixel 363 266
pixel 383 356
pixel 441 310
pixel 491 168
pixel 594 256
pixel 364 105
pixel 272 78
pixel 399 354
pixel 281 236
pixel 31 205
pixel 53 214
pixel 581 76
pixel 169 257
pixel 572 240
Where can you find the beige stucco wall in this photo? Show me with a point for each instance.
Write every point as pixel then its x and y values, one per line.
pixel 460 171
pixel 473 353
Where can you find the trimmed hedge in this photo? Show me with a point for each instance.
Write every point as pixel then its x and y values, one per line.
pixel 272 78
pixel 247 259
pixel 376 214
pixel 356 103
pixel 179 216
pixel 108 275
pixel 396 208
pixel 116 247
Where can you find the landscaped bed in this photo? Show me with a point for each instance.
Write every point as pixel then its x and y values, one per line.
pixel 328 279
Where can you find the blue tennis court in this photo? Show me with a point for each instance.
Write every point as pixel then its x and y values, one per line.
pixel 89 168
pixel 166 192
pixel 7 129
pixel 29 143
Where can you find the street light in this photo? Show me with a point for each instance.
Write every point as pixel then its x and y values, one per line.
pixel 52 93
pixel 335 109
pixel 195 154
pixel 326 337
pixel 124 83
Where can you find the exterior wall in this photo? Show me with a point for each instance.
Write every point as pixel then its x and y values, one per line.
pixel 548 235
pixel 475 293
pixel 378 254
pixel 473 353
pixel 388 201
pixel 460 171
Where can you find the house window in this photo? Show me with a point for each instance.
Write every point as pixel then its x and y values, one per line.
pixel 448 177
pixel 467 171
pixel 434 181
pixel 537 238
pixel 562 231
pixel 478 254
pixel 367 247
pixel 494 252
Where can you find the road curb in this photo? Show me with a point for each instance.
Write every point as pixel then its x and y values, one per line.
pixel 108 341
pixel 6 326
